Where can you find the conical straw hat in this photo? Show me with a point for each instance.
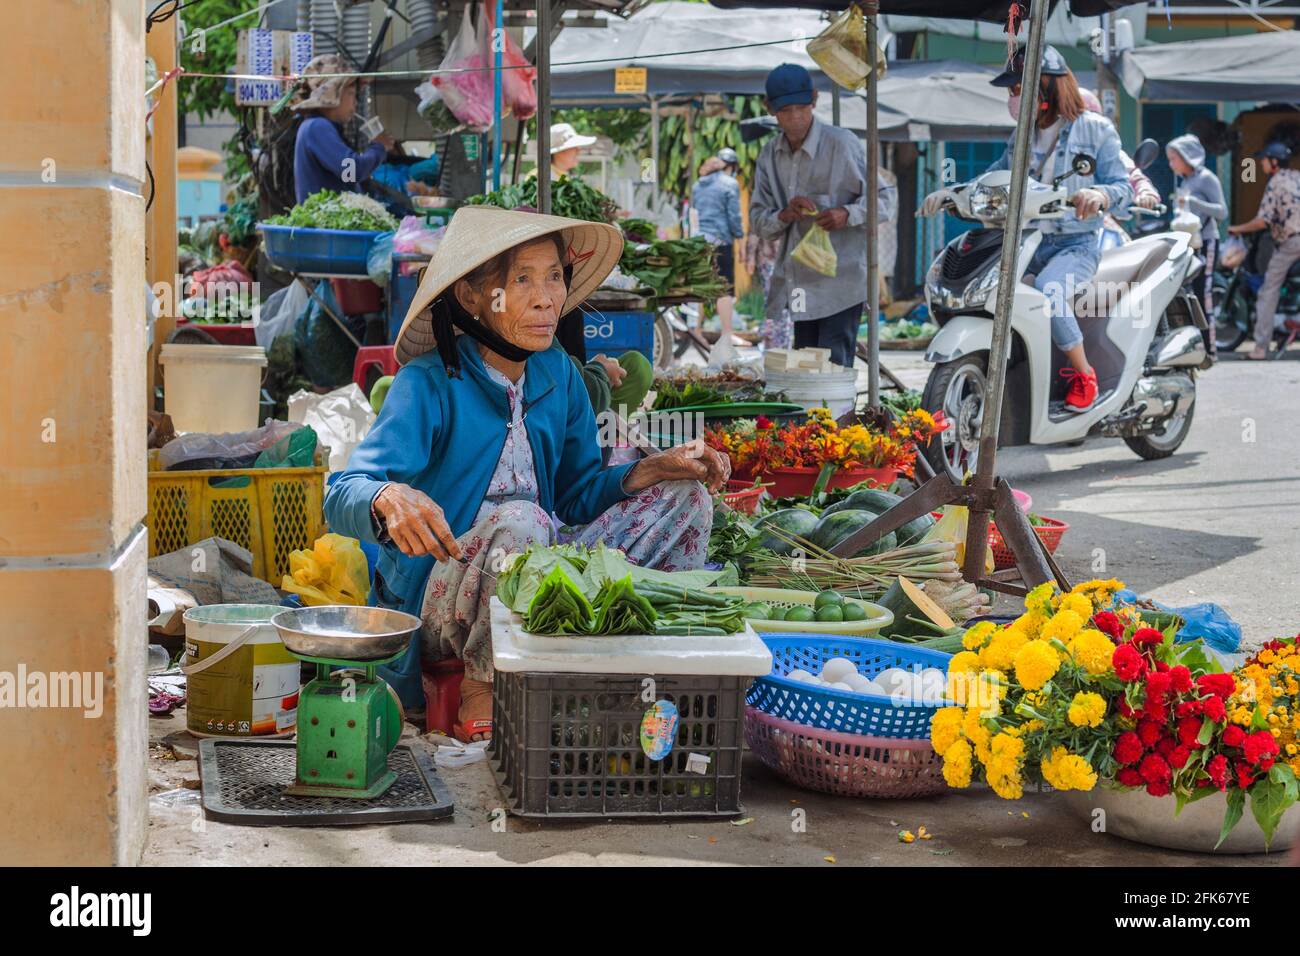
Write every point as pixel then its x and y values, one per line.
pixel 478 233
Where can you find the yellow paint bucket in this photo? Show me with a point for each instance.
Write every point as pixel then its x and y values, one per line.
pixel 241 682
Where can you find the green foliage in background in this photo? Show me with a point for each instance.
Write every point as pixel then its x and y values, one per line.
pixel 679 166
pixel 201 95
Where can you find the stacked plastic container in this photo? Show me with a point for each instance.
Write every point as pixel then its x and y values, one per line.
pixel 839 741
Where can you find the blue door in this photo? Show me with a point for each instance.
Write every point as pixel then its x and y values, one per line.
pixel 968 161
pixel 1162 122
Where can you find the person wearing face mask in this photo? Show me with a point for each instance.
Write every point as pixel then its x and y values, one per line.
pixel 487 431
pixel 1068 255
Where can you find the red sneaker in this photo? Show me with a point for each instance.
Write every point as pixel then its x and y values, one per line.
pixel 1083 390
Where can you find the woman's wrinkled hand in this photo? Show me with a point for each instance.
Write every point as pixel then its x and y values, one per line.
pixel 693 461
pixel 613 371
pixel 416 523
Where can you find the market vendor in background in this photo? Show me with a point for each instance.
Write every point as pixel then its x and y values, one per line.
pixel 811 173
pixel 322 158
pixel 566 147
pixel 487 432
pixel 715 200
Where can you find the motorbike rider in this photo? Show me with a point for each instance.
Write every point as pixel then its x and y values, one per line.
pixel 1200 192
pixel 1279 212
pixel 1068 255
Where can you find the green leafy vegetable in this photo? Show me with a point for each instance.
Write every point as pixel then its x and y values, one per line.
pixel 331 210
pixel 559 607
pixel 569 197
pixel 620 610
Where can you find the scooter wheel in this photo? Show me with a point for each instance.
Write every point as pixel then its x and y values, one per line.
pixel 1155 446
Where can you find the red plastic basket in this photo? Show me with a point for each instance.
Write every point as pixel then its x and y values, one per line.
pixel 743 496
pixel 1049 533
pixel 848 765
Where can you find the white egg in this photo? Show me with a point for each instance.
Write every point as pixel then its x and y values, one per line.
pixel 839 685
pixel 858 682
pixel 932 684
pixel 871 687
pixel 799 674
pixel 838 669
pixel 895 680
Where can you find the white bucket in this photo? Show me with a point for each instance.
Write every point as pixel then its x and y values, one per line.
pixel 241 681
pixel 213 388
pixel 836 390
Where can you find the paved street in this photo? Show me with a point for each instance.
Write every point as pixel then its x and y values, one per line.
pixel 1217 522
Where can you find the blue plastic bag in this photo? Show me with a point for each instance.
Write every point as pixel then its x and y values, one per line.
pixel 1207 622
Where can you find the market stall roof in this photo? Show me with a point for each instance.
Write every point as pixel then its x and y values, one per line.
pixel 1256 67
pixel 1064 28
pixel 935 100
pixel 660 38
pixel 995 11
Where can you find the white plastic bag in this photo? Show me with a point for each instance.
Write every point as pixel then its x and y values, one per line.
pixel 341 419
pixel 279 312
pixel 1187 221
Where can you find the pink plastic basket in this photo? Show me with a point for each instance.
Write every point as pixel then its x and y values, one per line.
pixel 848 765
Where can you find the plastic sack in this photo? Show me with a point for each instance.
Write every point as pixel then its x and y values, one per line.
pixel 199 450
pixel 325 353
pixel 463 86
pixel 518 95
pixel 415 236
pixel 1205 622
pixel 334 571
pixel 279 312
pixel 841 50
pixel 379 263
pixel 341 419
pixel 1187 221
pixel 1233 252
pixel 816 252
pixel 951 527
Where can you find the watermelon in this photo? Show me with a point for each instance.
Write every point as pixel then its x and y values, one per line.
pixel 834 528
pixel 915 613
pixel 866 499
pixel 796 521
pixel 915 529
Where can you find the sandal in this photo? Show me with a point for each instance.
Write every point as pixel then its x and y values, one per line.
pixel 473 728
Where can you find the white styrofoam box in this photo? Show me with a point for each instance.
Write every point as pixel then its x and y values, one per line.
pixel 514 650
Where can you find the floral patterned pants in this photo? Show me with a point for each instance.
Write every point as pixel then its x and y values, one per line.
pixel 666 526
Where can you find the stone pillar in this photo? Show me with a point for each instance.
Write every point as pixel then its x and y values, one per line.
pixel 72 457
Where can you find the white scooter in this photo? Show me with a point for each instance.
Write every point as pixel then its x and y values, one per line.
pixel 1141 328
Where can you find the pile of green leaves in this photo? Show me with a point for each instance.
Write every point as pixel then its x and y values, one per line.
pixel 639 230
pixel 559 607
pixel 620 610
pixel 570 197
pixel 670 395
pixel 331 210
pixel 903 329
pixel 674 267
pixel 732 537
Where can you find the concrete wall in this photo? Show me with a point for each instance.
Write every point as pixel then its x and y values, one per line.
pixel 72 482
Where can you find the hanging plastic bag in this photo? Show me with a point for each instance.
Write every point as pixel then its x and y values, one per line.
pixel 415 236
pixel 951 527
pixel 379 263
pixel 518 95
pixel 841 50
pixel 1185 220
pixel 816 252
pixel 279 312
pixel 463 83
pixel 1233 252
pixel 334 571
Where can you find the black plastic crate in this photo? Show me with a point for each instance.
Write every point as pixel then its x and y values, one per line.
pixel 569 745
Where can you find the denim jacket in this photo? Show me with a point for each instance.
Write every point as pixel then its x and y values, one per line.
pixel 716 198
pixel 1092 134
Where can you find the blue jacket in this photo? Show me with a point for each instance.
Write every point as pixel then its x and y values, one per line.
pixel 1093 134
pixel 444 436
pixel 319 157
pixel 716 198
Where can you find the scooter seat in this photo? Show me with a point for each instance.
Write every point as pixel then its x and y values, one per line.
pixel 1119 268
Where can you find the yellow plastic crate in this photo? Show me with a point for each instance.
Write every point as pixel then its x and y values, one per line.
pixel 276 512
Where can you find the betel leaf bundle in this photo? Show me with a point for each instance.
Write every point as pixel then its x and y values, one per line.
pixel 620 610
pixel 559 607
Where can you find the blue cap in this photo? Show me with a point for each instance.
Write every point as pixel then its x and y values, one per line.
pixel 787 85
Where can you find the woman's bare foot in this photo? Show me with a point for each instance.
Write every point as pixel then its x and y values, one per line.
pixel 474 719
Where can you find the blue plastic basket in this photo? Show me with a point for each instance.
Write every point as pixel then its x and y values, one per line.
pixel 843 711
pixel 317 251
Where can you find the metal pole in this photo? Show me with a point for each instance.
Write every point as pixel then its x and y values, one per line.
pixel 873 252
pixel 835 104
pixel 654 143
pixel 498 45
pixel 1000 350
pixel 544 106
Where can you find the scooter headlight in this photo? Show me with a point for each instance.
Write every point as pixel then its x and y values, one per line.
pixel 978 292
pixel 989 203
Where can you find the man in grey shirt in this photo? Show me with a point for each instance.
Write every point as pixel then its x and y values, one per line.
pixel 1199 191
pixel 809 168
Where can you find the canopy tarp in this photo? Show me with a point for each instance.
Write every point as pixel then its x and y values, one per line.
pixel 1063 28
pixel 661 38
pixel 1255 67
pixel 994 11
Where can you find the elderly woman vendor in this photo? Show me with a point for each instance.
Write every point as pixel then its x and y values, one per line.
pixel 488 431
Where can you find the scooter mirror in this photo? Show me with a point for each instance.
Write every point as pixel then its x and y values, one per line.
pixel 1083 164
pixel 1146 153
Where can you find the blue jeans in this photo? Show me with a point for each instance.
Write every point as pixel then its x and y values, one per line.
pixel 1060 266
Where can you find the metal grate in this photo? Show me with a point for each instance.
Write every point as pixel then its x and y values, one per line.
pixel 244 781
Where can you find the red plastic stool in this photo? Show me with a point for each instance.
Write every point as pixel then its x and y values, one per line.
pixel 442 694
pixel 358 296
pixel 373 356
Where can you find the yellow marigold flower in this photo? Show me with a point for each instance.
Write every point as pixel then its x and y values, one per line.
pixel 1040 599
pixel 1036 664
pixel 1241 715
pixel 977 734
pixel 957 765
pixel 1101 592
pixel 1078 603
pixel 963 661
pixel 1061 626
pixel 1034 725
pixel 1000 653
pixel 1008 788
pixel 1067 771
pixel 1093 651
pixel 1030 623
pixel 976 637
pixel 1087 710
pixel 945 728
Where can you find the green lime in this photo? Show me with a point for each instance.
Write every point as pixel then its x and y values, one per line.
pixel 777 613
pixel 826 598
pixel 830 613
pixel 800 613
pixel 854 611
pixel 759 611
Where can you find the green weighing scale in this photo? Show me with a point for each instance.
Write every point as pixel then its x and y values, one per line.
pixel 349 719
